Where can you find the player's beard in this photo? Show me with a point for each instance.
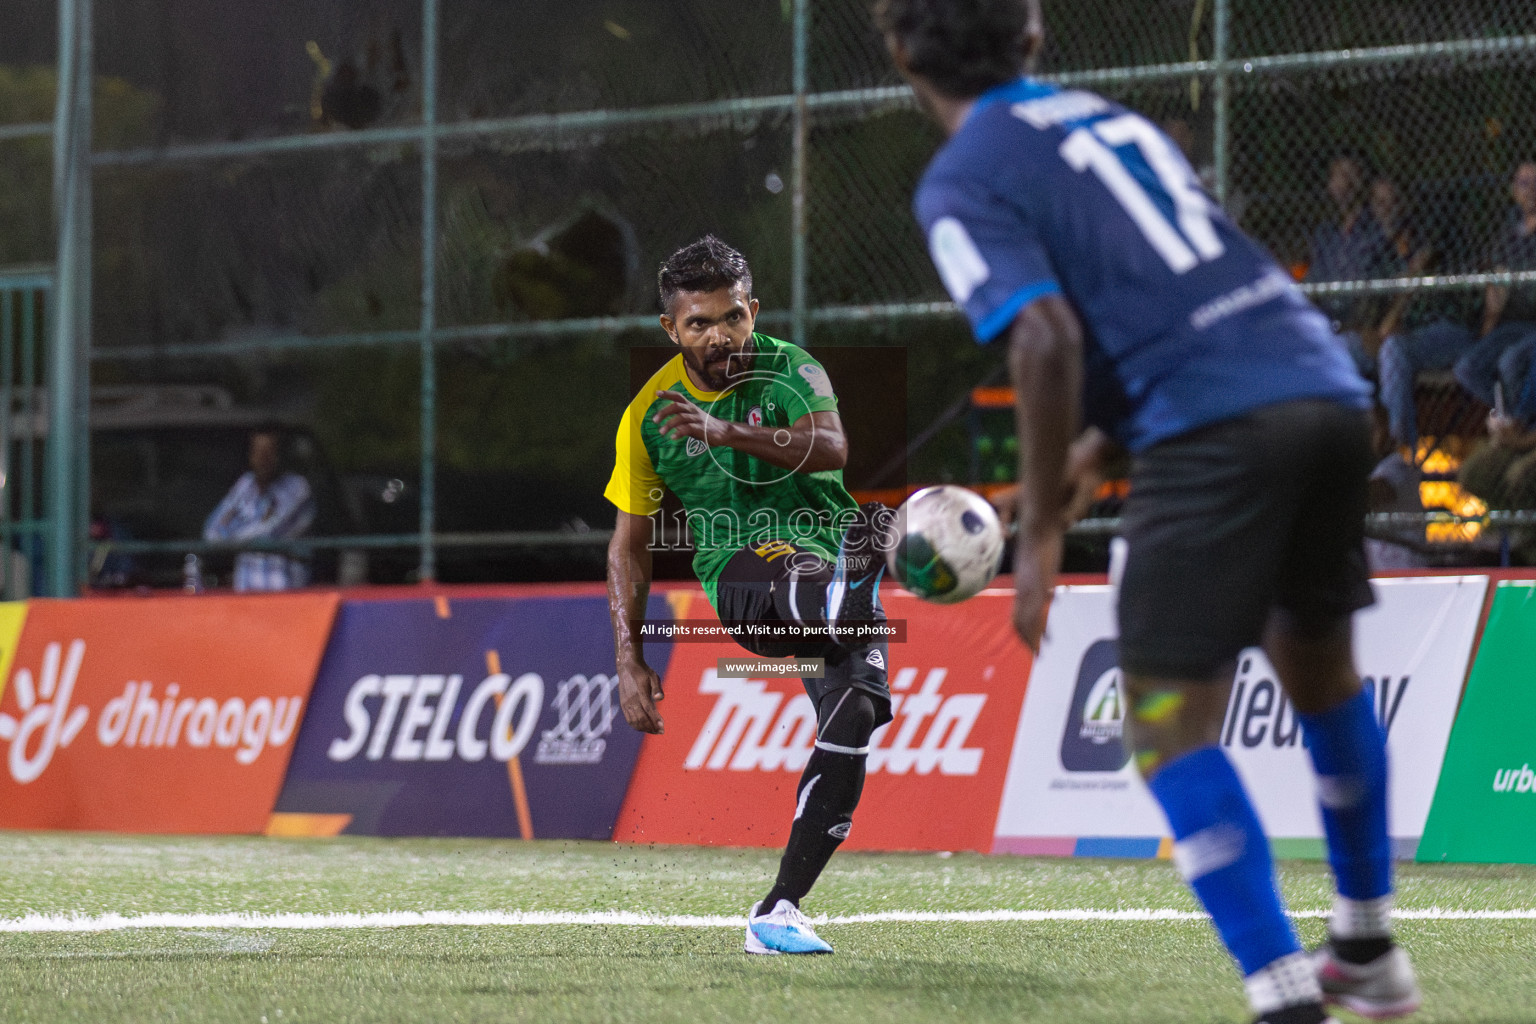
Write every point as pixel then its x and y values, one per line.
pixel 730 368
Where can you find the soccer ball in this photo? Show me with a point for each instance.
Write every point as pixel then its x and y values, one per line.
pixel 948 544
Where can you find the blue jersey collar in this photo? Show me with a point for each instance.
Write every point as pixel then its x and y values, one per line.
pixel 1017 91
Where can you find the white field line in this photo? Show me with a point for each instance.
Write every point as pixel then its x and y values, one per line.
pixel 33 923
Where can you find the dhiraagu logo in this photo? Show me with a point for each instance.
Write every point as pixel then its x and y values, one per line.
pixel 45 712
pixel 47 721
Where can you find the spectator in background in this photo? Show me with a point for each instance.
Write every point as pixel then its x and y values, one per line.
pixel 1502 471
pixel 1415 333
pixel 1351 248
pixel 1182 133
pixel 266 503
pixel 1394 487
pixel 1509 313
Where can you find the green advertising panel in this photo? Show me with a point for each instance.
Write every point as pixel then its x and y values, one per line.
pixel 1485 805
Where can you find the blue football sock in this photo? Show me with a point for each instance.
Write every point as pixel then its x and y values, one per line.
pixel 1221 850
pixel 1349 752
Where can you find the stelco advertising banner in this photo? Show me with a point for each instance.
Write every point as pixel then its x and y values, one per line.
pixel 1072 790
pixel 724 773
pixel 465 717
pixel 166 715
pixel 1485 807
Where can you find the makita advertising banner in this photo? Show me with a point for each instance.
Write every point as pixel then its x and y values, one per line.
pixel 1072 790
pixel 1485 808
pixel 171 714
pixel 465 717
pixel 724 772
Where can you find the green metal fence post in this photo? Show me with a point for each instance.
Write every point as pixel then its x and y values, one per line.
pixel 68 360
pixel 1221 154
pixel 428 287
pixel 78 525
pixel 798 300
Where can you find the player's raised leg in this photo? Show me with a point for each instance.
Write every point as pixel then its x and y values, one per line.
pixel 828 793
pixel 1359 966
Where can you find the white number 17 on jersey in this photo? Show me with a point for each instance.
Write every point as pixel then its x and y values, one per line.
pixel 1184 247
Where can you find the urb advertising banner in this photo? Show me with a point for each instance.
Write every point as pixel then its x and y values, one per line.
pixel 465 717
pixel 725 771
pixel 169 714
pixel 1485 806
pixel 1072 789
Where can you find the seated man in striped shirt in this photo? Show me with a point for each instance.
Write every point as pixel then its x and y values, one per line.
pixel 266 503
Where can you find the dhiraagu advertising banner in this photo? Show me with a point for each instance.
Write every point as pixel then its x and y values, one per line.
pixel 1485 805
pixel 13 615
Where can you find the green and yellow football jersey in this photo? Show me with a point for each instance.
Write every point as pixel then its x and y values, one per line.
pixel 732 499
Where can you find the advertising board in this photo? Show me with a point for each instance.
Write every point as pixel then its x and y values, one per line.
pixel 1072 790
pixel 493 716
pixel 166 714
pixel 725 771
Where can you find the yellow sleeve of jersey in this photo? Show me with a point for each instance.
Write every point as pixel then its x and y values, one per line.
pixel 634 487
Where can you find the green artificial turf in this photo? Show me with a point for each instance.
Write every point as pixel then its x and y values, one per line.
pixel 1066 971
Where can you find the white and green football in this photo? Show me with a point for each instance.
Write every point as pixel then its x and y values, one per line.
pixel 948 544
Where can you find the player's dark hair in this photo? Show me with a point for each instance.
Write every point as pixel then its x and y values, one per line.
pixel 270 428
pixel 962 47
pixel 1362 161
pixel 703 266
pixel 278 432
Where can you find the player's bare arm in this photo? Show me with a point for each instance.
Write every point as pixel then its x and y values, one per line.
pixel 813 443
pixel 1045 360
pixel 629 585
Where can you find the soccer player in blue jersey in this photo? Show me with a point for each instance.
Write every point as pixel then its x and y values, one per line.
pixel 1073 229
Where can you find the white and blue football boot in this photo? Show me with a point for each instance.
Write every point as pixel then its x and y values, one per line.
pixel 784 929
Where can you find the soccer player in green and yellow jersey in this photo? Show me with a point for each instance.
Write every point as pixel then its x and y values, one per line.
pixel 743 428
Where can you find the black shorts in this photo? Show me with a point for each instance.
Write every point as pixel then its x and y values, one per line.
pixel 787 584
pixel 1228 522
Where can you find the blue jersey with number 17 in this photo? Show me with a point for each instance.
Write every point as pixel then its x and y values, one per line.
pixel 1188 321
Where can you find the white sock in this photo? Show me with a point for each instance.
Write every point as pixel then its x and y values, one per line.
pixel 1361 919
pixel 1284 982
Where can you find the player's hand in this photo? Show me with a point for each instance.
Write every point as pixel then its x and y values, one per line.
pixel 639 690
pixel 1035 562
pixel 1006 504
pixel 681 418
pixel 1085 474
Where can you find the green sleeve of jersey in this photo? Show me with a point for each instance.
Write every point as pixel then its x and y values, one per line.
pixel 808 382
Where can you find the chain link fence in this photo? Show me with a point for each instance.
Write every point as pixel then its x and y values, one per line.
pixel 267 177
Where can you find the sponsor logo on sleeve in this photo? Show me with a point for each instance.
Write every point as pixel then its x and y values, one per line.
pixel 958 260
pixel 817 378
